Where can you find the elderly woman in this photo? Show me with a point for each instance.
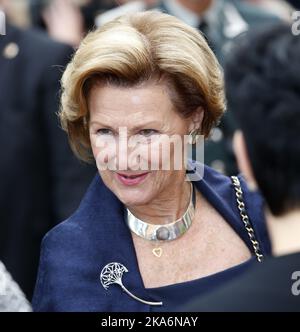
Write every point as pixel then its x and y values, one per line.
pixel 144 238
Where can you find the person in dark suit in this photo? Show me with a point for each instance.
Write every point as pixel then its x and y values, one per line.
pixel 41 181
pixel 263 90
pixel 153 228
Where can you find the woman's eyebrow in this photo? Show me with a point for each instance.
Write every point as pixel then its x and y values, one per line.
pixel 144 125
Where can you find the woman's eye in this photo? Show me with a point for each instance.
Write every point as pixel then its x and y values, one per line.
pixel 103 132
pixel 148 132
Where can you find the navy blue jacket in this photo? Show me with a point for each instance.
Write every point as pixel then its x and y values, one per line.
pixel 74 252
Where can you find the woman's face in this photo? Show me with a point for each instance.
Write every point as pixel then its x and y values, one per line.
pixel 127 127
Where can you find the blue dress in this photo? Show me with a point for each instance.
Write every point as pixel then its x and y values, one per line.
pixel 74 253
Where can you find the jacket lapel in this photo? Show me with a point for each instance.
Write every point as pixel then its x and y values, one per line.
pixel 113 244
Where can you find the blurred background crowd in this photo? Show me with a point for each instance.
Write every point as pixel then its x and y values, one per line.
pixel 41 182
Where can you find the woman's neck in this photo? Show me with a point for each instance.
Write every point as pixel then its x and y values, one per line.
pixel 167 207
pixel 285 233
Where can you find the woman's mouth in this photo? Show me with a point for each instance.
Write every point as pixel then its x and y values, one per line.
pixel 131 179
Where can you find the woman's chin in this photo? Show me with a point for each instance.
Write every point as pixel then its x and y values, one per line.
pixel 133 198
pixel 132 193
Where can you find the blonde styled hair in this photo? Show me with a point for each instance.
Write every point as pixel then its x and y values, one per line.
pixel 134 49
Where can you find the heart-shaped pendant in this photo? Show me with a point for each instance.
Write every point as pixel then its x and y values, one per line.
pixel 157 252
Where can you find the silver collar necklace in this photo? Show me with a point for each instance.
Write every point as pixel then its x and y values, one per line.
pixel 167 232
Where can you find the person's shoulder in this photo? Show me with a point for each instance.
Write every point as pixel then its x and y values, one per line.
pixel 222 190
pixel 219 183
pixel 59 248
pixel 68 228
pixel 215 177
pixel 41 39
pixel 36 44
pixel 222 183
pixel 253 14
pixel 73 228
pixel 68 251
pixel 62 243
pixel 264 285
pixel 217 187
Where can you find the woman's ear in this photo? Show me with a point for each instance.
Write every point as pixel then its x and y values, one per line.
pixel 241 153
pixel 196 119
